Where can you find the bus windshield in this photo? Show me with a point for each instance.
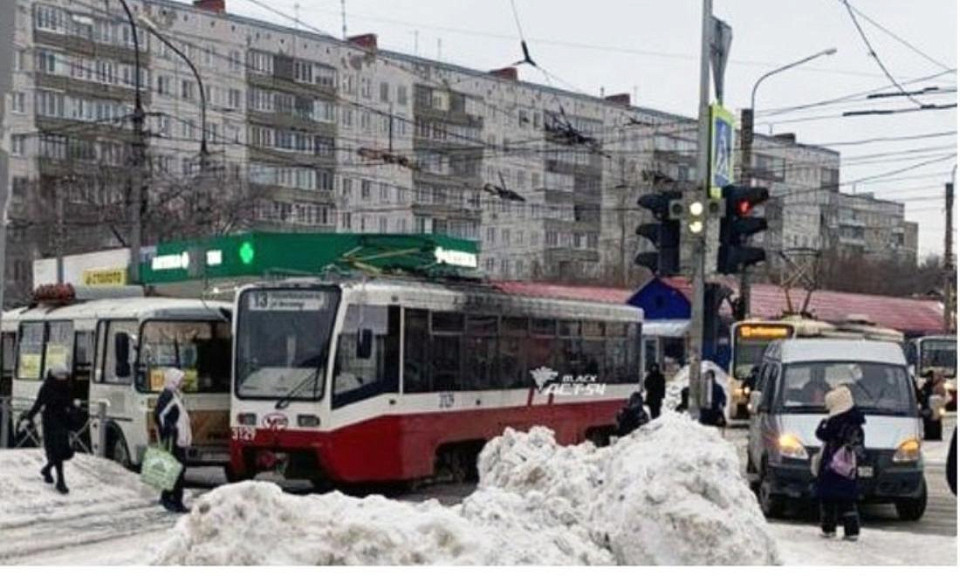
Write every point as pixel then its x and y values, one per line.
pixel 939 355
pixel 877 388
pixel 201 349
pixel 283 342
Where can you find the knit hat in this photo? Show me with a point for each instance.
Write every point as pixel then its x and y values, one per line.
pixel 838 400
pixel 173 378
pixel 59 371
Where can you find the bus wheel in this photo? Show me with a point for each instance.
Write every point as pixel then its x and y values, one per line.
pixel 912 509
pixel 770 504
pixel 117 450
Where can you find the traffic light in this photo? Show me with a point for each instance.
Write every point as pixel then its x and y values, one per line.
pixel 664 233
pixel 737 226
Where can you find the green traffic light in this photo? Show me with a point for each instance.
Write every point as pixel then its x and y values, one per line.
pixel 246 252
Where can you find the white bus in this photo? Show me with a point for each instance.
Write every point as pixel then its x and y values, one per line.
pixel 117 351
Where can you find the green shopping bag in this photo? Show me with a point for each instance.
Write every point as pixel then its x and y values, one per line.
pixel 160 469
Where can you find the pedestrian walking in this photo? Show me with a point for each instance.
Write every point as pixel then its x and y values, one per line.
pixel 656 388
pixel 842 436
pixel 712 415
pixel 55 404
pixel 933 385
pixel 173 422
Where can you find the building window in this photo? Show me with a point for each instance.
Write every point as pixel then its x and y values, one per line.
pixel 163 85
pixel 18 102
pixel 505 268
pixel 346 118
pixel 402 95
pixel 346 221
pixel 234 60
pixel 383 225
pixel 325 179
pixel 384 92
pixel 489 264
pixel 186 90
pixel 234 97
pixel 347 190
pixel 365 90
pixel 49 18
pixel 365 186
pixel 384 192
pixel 18 144
pixel 505 237
pixel 46 62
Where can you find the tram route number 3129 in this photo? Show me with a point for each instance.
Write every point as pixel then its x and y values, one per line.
pixel 244 433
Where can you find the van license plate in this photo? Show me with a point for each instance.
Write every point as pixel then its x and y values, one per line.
pixel 865 471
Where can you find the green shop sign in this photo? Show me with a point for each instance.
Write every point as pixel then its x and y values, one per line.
pixel 269 254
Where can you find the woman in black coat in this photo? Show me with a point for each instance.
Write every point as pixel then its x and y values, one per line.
pixel 838 492
pixel 55 400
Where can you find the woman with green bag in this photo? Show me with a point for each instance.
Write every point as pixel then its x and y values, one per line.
pixel 173 423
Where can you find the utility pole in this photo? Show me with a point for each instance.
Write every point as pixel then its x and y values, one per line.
pixel 697 396
pixel 138 157
pixel 948 272
pixel 746 175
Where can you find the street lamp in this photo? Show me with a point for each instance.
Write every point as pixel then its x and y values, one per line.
pixel 746 154
pixel 152 28
pixel 139 144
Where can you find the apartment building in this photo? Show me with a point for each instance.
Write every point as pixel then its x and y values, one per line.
pixel 307 131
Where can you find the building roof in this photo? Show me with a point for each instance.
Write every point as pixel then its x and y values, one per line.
pixel 908 315
pixel 826 349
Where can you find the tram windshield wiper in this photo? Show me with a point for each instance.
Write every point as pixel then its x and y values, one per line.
pixel 315 377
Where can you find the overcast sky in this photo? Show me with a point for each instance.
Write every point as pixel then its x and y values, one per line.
pixel 650 48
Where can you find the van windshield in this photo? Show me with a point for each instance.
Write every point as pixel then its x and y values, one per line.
pixel 877 388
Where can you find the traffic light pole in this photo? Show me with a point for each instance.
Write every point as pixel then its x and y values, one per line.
pixel 697 397
pixel 746 169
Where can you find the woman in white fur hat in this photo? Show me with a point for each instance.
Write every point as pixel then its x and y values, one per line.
pixel 842 436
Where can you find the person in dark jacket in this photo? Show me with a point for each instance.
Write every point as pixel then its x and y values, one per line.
pixel 713 415
pixel 656 388
pixel 631 416
pixel 55 402
pixel 952 464
pixel 837 491
pixel 932 386
pixel 173 422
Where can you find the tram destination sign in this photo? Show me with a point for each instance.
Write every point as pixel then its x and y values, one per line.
pixel 288 301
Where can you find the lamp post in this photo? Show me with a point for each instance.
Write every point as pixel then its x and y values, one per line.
pixel 137 159
pixel 152 28
pixel 746 158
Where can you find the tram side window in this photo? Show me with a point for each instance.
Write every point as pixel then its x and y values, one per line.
pixel 354 378
pixel 446 336
pixel 416 351
pixel 30 353
pixel 542 346
pixel 118 345
pixel 513 342
pixel 622 353
pixel 480 359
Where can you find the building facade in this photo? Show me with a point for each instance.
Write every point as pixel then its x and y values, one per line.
pixel 306 131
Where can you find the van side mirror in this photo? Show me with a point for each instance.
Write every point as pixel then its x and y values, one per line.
pixel 754 404
pixel 365 344
pixel 121 347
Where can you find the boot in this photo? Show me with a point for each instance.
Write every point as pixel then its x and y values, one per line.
pixel 62 488
pixel 45 472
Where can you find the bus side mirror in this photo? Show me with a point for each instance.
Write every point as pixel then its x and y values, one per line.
pixel 365 344
pixel 121 347
pixel 755 398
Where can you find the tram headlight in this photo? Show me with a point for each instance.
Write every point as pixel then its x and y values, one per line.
pixel 247 419
pixel 308 421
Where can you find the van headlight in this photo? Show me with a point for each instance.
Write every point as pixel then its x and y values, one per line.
pixel 791 447
pixel 907 451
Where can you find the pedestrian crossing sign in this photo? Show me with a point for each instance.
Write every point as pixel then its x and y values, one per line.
pixel 721 149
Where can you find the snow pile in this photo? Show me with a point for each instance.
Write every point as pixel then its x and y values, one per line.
pixel 681 380
pixel 255 523
pixel 670 493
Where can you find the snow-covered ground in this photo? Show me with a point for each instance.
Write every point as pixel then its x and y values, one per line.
pixel 802 544
pixel 106 502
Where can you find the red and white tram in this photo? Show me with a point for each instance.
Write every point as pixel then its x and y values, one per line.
pixel 391 379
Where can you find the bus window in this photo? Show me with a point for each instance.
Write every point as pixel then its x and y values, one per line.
pixel 116 365
pixel 58 349
pixel 416 351
pixel 200 349
pixel 30 353
pixel 354 378
pixel 8 346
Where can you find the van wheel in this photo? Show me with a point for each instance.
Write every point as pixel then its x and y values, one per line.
pixel 118 452
pixel 912 509
pixel 770 504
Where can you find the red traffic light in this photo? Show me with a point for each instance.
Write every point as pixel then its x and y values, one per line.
pixel 744 207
